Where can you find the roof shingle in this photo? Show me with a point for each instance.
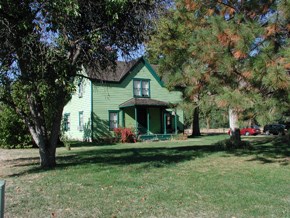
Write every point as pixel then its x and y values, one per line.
pixel 143 102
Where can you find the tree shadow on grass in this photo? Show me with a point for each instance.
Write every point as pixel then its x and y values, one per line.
pixel 158 157
pixel 265 151
pixel 147 157
pixel 268 150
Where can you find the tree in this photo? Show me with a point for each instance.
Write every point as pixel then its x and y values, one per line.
pixel 237 51
pixel 45 43
pixel 13 132
pixel 169 48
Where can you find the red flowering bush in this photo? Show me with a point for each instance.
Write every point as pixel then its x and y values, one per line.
pixel 125 135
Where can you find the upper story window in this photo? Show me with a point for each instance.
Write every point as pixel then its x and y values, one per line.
pixel 141 87
pixel 80 88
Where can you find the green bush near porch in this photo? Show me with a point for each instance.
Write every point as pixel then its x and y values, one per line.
pixel 188 178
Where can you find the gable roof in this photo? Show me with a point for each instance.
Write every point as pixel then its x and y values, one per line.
pixel 143 102
pixel 115 74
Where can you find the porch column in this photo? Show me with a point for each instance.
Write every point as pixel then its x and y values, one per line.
pixel 175 121
pixel 164 122
pixel 148 121
pixel 123 118
pixel 136 122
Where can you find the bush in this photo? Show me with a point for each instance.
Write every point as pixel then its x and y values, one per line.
pixel 13 132
pixel 180 137
pixel 229 144
pixel 287 137
pixel 125 135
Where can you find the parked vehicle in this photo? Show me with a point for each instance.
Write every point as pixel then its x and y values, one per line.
pixel 275 129
pixel 253 130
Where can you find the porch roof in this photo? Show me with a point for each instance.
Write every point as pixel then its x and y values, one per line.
pixel 143 102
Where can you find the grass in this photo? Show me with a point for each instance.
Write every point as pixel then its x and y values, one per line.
pixel 159 179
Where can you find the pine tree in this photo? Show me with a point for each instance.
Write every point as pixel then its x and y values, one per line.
pixel 237 51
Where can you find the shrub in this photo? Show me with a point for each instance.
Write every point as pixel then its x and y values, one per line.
pixel 286 137
pixel 229 144
pixel 13 132
pixel 125 135
pixel 180 137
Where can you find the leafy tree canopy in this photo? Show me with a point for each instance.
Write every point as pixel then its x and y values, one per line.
pixel 45 43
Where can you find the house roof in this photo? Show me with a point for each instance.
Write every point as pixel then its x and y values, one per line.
pixel 119 71
pixel 143 102
pixel 111 73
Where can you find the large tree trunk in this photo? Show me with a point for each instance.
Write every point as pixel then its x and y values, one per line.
pixel 234 125
pixel 47 148
pixel 195 123
pixel 46 139
pixel 47 156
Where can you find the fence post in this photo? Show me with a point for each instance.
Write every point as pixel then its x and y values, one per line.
pixel 2 198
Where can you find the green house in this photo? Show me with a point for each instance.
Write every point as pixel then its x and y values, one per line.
pixel 131 95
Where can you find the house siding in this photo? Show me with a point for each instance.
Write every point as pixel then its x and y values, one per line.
pixel 129 117
pixel 108 96
pixel 155 121
pixel 74 107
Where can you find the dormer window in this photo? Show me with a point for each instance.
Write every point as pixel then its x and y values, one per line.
pixel 141 88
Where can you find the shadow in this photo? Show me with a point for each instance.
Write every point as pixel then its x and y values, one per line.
pixel 87 132
pixel 157 157
pixel 265 150
pixel 101 132
pixel 268 150
pixel 147 157
pixel 22 162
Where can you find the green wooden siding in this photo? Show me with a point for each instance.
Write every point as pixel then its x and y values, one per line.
pixel 129 117
pixel 108 96
pixel 155 120
pixel 74 106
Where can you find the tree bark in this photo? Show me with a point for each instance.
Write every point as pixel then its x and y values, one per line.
pixel 195 123
pixel 45 137
pixel 208 122
pixel 234 125
pixel 47 156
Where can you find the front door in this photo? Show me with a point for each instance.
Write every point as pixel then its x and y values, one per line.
pixel 142 120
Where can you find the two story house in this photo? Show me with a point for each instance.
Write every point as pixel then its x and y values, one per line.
pixel 131 95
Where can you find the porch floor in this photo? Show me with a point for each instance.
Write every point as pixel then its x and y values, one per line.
pixel 155 137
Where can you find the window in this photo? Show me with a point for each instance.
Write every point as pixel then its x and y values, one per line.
pixel 81 121
pixel 80 88
pixel 141 87
pixel 113 119
pixel 66 122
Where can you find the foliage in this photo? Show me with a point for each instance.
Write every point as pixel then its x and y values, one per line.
pixel 230 144
pixel 180 136
pixel 13 132
pixel 235 53
pixel 44 44
pixel 125 134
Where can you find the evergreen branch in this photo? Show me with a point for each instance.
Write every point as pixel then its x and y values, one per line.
pixel 227 5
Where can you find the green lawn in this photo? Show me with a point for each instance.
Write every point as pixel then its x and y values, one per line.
pixel 160 179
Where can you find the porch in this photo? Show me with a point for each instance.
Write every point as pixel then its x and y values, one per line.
pixel 151 119
pixel 155 137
